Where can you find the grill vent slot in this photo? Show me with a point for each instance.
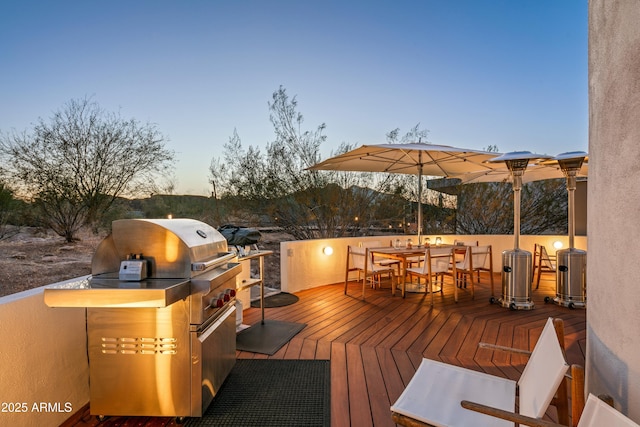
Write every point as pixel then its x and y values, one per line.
pixel 142 345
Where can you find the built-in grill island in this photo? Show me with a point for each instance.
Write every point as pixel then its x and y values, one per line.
pixel 160 317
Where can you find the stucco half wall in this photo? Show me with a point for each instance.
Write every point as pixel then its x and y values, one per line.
pixel 304 265
pixel 44 372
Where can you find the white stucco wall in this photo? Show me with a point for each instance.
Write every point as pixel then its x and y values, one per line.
pixel 613 315
pixel 43 361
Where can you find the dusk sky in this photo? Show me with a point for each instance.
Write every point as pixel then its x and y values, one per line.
pixel 474 73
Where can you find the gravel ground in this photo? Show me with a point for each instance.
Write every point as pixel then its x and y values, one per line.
pixel 34 258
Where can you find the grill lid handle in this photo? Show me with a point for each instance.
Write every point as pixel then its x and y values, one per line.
pixel 215 262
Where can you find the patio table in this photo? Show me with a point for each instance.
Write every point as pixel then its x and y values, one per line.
pixel 402 255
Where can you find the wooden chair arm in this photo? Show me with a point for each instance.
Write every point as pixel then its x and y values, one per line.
pixel 557 323
pixel 507 415
pixel 503 348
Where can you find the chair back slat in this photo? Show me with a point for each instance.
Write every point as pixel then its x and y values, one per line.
pixel 545 259
pixel 439 260
pixel 357 257
pixel 365 246
pixel 542 374
pixel 479 256
pixel 467 243
pixel 466 262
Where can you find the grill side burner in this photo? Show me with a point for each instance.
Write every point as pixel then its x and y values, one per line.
pixel 162 345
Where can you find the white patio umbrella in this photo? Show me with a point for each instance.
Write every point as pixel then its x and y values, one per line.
pixel 414 159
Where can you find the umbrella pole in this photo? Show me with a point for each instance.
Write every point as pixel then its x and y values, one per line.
pixel 420 199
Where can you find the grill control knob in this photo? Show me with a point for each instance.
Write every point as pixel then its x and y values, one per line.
pixel 216 302
pixel 226 297
pixel 231 292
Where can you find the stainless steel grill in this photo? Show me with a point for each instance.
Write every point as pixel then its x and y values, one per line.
pixel 160 317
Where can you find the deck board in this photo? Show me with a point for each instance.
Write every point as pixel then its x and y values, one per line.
pixel 359 403
pixel 340 415
pixel 376 345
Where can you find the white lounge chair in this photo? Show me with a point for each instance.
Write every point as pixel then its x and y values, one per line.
pixel 433 396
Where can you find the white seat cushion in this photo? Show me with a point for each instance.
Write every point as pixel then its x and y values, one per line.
pixel 434 394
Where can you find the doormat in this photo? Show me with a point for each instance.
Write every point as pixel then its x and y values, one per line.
pixel 267 338
pixel 270 392
pixel 278 300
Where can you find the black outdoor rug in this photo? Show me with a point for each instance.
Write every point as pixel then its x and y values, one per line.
pixel 270 392
pixel 278 300
pixel 267 338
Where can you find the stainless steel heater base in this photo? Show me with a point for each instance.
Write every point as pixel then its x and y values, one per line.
pixel 571 278
pixel 516 280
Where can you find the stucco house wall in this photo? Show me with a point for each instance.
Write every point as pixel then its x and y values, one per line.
pixel 613 315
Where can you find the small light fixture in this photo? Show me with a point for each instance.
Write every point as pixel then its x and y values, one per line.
pixel 557 244
pixel 327 250
pixel 438 241
pixel 169 216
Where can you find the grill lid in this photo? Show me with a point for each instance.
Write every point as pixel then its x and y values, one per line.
pixel 173 248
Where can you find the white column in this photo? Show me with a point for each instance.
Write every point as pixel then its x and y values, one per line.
pixel 613 280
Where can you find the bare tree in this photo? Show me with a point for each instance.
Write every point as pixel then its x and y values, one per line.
pixel 7 210
pixel 75 165
pixel 487 208
pixel 277 184
pixel 436 205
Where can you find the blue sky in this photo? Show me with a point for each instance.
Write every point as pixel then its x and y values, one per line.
pixel 511 73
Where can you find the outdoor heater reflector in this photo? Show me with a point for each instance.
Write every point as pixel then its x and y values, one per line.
pixel 516 263
pixel 571 263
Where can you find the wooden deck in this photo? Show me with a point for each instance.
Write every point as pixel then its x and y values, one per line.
pixel 376 345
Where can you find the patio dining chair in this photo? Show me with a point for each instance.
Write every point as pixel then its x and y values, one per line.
pixel 433 396
pixel 476 259
pixel 361 260
pixel 460 246
pixel 439 262
pixel 542 262
pixel 385 262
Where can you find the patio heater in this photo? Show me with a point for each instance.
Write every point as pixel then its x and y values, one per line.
pixel 516 263
pixel 571 263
